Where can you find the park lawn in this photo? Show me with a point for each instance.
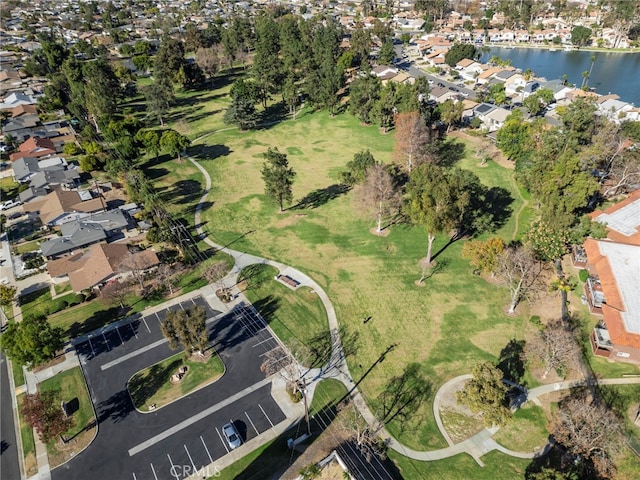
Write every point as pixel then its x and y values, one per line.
pixel 293 315
pixel 73 388
pixel 28 442
pixel 151 386
pixel 497 466
pixel 526 431
pixel 327 237
pixel 275 456
pixel 83 318
pixel 26 247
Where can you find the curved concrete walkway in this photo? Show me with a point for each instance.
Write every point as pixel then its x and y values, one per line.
pixel 337 368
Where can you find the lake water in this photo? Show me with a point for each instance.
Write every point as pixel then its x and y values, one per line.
pixel 617 73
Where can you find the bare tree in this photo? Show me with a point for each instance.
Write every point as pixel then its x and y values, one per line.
pixel 520 272
pixel 412 137
pixel 379 194
pixel 288 363
pixel 209 60
pixel 587 428
pixel 135 265
pixel 351 423
pixel 215 274
pixel 167 274
pixel 115 291
pixel 555 345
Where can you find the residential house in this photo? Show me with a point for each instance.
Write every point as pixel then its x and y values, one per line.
pixel 559 89
pixel 16 99
pixel 21 127
pixel 494 119
pixel 615 110
pixel 99 264
pixel 60 206
pixel 85 231
pixel 469 69
pixel 34 147
pixel 482 109
pixel 385 72
pixel 485 76
pixel 612 290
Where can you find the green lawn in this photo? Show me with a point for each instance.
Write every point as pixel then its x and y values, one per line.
pixel 152 386
pixel 18 373
pixel 28 442
pixel 526 431
pixel 40 303
pixel 293 315
pixel 73 391
pixel 26 247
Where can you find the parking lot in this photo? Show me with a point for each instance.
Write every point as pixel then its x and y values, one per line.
pixel 179 438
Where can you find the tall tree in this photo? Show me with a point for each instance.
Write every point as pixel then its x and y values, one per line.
pixel 589 430
pixel 379 194
pixel 364 93
pixel 411 139
pixel 169 59
pixel 520 272
pixel 267 67
pixel 556 346
pixel 484 254
pixel 7 294
pixel 42 411
pixel 278 177
pixel 459 51
pixel 101 89
pixel 174 142
pixel 486 393
pixel 186 328
pixel 430 203
pixel 357 168
pixel 451 112
pixel 33 341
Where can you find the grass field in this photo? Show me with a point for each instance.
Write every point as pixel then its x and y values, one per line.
pixel 526 431
pixel 152 386
pixel 73 391
pixel 454 321
pixel 26 247
pixel 40 303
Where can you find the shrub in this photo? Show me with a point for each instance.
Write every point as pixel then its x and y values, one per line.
pixel 583 275
pixel 535 320
pixel 295 397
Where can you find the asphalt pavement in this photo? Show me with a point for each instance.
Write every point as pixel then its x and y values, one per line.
pixel 9 466
pixel 175 440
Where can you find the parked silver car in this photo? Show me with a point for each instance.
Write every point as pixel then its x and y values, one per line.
pixel 231 436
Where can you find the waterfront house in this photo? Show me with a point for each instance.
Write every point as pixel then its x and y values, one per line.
pixel 612 291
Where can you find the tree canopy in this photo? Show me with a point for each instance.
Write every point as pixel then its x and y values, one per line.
pixel 278 177
pixel 459 51
pixel 486 393
pixel 33 341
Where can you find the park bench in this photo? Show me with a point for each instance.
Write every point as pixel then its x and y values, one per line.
pixel 288 280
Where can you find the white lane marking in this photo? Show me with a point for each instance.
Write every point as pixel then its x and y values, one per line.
pixel 251 422
pixel 158 317
pixel 133 329
pixel 154 471
pixel 121 341
pixel 146 325
pixel 265 414
pixel 206 449
pixel 93 352
pixel 106 342
pixel 199 416
pixel 191 459
pixel 263 341
pixel 134 476
pixel 222 440
pixel 126 357
pixel 173 468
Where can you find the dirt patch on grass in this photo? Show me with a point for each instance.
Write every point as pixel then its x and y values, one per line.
pixel 31 464
pixel 55 361
pixel 484 148
pixel 460 426
pixel 63 452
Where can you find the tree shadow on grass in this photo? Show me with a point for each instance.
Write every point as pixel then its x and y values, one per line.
pixel 96 320
pixel 450 152
pixel 511 361
pixel 210 152
pixel 498 204
pixel 142 388
pixel 184 191
pixel 321 196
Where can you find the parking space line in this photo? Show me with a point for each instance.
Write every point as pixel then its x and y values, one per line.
pixel 134 476
pixel 183 309
pixel 265 414
pixel 158 317
pixel 146 325
pixel 124 358
pixel 173 468
pixel 154 471
pixel 191 459
pixel 93 352
pixel 251 422
pixel 121 341
pixel 222 440
pixel 106 342
pixel 133 329
pixel 263 341
pixel 206 449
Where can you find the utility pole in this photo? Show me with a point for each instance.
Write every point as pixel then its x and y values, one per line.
pixel 306 405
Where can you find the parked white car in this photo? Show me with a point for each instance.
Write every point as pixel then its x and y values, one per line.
pixel 10 204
